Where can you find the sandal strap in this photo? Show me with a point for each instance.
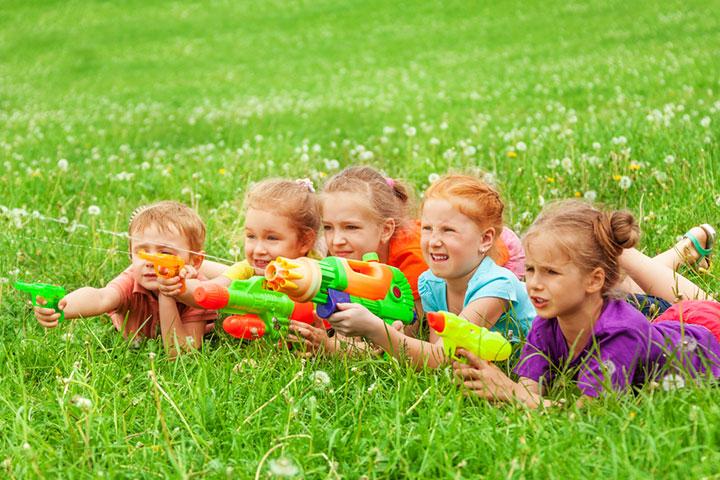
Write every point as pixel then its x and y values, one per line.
pixel 704 252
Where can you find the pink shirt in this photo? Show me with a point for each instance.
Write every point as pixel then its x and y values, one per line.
pixel 139 310
pixel 516 262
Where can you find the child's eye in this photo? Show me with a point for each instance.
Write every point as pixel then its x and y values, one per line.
pixel 553 272
pixel 250 235
pixel 273 238
pixel 353 227
pixel 426 228
pixel 327 228
pixel 448 229
pixel 529 269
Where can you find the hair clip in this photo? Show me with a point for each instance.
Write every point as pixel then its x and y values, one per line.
pixel 307 183
pixel 390 182
pixel 137 212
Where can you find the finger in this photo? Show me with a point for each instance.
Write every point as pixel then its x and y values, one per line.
pixel 48 323
pixel 470 374
pixel 398 325
pixel 473 359
pixel 348 306
pixel 40 300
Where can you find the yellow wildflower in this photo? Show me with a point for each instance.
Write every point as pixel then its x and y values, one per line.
pixel 222 171
pixel 512 154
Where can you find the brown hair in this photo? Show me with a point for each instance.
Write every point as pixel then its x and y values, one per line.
pixel 591 238
pixel 294 199
pixel 170 217
pixel 387 197
pixel 476 200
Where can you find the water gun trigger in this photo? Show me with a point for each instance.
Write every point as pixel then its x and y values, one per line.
pixel 333 298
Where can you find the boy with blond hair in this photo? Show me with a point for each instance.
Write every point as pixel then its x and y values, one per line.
pixel 132 299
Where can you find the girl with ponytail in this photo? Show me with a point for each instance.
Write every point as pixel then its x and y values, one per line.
pixel 575 258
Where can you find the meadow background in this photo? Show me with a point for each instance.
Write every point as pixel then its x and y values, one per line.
pixel 105 106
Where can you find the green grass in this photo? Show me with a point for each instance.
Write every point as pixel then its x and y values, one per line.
pixel 153 100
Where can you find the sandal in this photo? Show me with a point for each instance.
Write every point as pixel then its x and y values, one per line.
pixel 705 253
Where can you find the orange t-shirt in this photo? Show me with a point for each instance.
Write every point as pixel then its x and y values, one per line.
pixel 405 254
pixel 139 310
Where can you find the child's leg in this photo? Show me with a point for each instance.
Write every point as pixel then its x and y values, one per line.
pixel 647 275
pixel 683 252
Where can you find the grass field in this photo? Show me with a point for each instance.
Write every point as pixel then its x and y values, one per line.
pixel 116 104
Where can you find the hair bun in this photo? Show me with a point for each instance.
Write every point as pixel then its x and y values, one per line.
pixel 624 230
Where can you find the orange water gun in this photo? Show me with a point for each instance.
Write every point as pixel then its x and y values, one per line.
pixel 382 289
pixel 166 265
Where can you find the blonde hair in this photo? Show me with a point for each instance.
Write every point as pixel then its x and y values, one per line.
pixel 387 197
pixel 170 217
pixel 478 201
pixel 590 238
pixel 294 199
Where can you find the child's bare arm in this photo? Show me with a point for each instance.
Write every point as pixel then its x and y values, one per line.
pixel 176 335
pixel 83 302
pixel 212 269
pixel 356 320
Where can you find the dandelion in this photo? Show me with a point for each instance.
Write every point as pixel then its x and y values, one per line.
pixel 717 200
pixel 222 171
pixel 332 164
pixel 590 195
pixel 81 402
pixel 449 154
pixel 372 388
pixel 705 122
pixel 660 176
pixel 619 140
pixel 520 146
pixel 596 146
pixel 94 210
pixel 444 126
pixel 366 156
pixel 511 154
pixel 320 378
pixel 283 467
pixel 62 164
pixel 670 159
pixel 634 166
pixel 151 356
pixel 567 164
pixel 388 130
pixel 304 158
pixel 434 177
pixel 673 381
pixel 411 131
pixel 434 141
pixel 469 151
pixel 625 182
pixel 26 446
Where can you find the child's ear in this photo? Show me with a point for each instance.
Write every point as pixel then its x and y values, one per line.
pixel 487 239
pixel 387 229
pixel 595 281
pixel 308 241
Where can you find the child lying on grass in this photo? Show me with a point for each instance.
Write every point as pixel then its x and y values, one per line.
pixel 574 258
pixel 132 299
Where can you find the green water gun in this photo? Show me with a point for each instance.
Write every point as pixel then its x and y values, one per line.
pixel 380 288
pixel 457 332
pixel 51 293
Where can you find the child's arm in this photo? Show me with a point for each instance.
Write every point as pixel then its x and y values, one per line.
pixel 212 269
pixel 355 320
pixel 83 302
pixel 177 336
pixel 487 381
pixel 484 312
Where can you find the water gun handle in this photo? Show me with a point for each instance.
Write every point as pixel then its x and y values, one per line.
pixel 165 265
pixel 51 293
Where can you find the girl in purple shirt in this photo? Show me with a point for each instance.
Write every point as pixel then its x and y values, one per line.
pixel 574 255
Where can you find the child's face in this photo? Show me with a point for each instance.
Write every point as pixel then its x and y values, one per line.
pixel 268 236
pixel 554 283
pixel 350 229
pixel 452 244
pixel 153 240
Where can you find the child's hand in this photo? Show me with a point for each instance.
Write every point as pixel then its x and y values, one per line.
pixel 484 378
pixel 314 337
pixel 353 320
pixel 188 272
pixel 47 317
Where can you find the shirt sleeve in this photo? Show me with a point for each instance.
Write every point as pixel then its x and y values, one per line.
pixel 498 287
pixel 612 363
pixel 429 302
pixel 535 357
pixel 123 284
pixel 412 265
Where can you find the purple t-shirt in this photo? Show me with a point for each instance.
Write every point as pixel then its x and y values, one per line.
pixel 624 347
